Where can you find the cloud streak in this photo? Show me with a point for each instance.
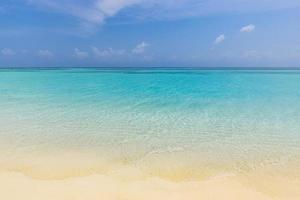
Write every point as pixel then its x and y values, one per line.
pixel 98 53
pixel 45 53
pixel 247 29
pixel 219 39
pixel 80 54
pixel 8 52
pixel 97 11
pixel 88 11
pixel 140 48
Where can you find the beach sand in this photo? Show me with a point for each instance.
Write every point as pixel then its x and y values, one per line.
pixel 128 184
pixel 63 175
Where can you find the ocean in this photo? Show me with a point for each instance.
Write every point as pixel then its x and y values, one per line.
pixel 227 132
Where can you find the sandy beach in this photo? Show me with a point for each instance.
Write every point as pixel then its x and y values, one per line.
pixel 15 186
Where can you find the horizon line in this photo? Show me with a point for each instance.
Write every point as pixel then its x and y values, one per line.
pixel 153 68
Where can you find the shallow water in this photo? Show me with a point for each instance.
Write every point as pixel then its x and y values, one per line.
pixel 176 125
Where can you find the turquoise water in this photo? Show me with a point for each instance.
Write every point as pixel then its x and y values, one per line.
pixel 218 120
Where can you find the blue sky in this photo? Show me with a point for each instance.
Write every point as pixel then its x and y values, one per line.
pixel 150 33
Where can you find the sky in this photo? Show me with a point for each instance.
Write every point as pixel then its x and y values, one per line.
pixel 149 33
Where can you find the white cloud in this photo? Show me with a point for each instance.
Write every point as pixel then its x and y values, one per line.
pixel 91 11
pixel 107 52
pixel 248 28
pixel 45 53
pixel 140 48
pixel 8 52
pixel 80 54
pixel 97 11
pixel 219 39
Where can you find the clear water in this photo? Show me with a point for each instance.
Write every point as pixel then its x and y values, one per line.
pixel 177 124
